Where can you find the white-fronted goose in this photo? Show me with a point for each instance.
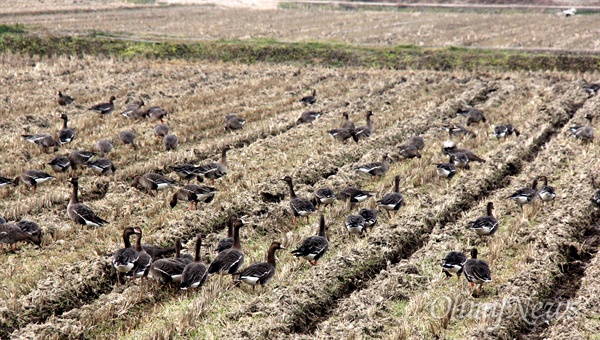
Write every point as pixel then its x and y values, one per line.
pixel 31 228
pixel 525 195
pixel 505 130
pixel 343 134
pixel 104 108
pixel 128 137
pixel 591 88
pixel 460 160
pixel 376 168
pixel 63 99
pixel 392 200
pixel 449 148
pixel 347 124
pixel 472 115
pixel 32 178
pixel 169 270
pixel 11 234
pixel 65 134
pixel 101 166
pixel 301 207
pixel 234 122
pixel 409 151
pixel 161 130
pixel 314 247
pixel 584 133
pixel 354 195
pixel 153 182
pixel 365 131
pixel 193 194
pixel 324 196
pixel 309 100
pixel 195 273
pixel 459 130
pixel 43 140
pixel 260 272
pixel 79 157
pixel 445 170
pixel 227 242
pixel 60 164
pixel 141 267
pixel 476 271
pixel 216 169
pixel 79 212
pixel 184 171
pixel 157 252
pixel 453 263
pixel 230 260
pixel 308 117
pixel 7 181
pixel 134 110
pixel 485 225
pixel 104 146
pixel 370 217
pixel 417 141
pixel 546 192
pixel 157 113
pixel 124 258
pixel 355 224
pixel 170 142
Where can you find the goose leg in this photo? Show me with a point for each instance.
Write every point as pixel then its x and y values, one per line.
pixel 389 216
pixel 306 219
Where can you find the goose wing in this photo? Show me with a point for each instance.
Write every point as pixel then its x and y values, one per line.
pixel 257 273
pixel 228 261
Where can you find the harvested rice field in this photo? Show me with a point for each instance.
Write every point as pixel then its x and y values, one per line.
pixel 386 283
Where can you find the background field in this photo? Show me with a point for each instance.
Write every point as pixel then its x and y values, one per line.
pixel 385 285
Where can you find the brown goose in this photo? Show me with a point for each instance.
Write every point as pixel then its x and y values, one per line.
pixel 101 166
pixel 365 131
pixel 104 146
pixel 376 168
pixel 169 270
pixel 11 234
pixel 584 133
pixel 504 130
pixel 301 207
pixel 392 200
pixel 476 271
pixel 184 171
pixel 453 263
pixel 161 130
pixel 525 195
pixel 30 228
pixel 134 110
pixel 460 160
pixel 124 258
pixel 60 164
pixel 157 113
pixel 370 216
pixel 79 157
pixel 104 108
pixel 79 212
pixel 193 193
pixel 128 137
pixel 485 225
pixel 260 272
pixel 449 148
pixel 141 267
pixel 195 273
pixel 65 134
pixel 153 182
pixel 546 193
pixel 417 141
pixel 459 130
pixel 234 122
pixel 216 169
pixel 324 196
pixel 409 151
pixel 355 224
pixel 230 260
pixel 308 117
pixel 472 115
pixel 309 100
pixel 170 142
pixel 227 242
pixel 7 181
pixel 32 178
pixel 314 247
pixel 354 195
pixel 343 134
pixel 43 140
pixel 63 99
pixel 347 124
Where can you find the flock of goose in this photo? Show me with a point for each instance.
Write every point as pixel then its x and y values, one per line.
pixel 145 260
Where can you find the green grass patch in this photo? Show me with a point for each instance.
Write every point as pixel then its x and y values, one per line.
pixel 12 29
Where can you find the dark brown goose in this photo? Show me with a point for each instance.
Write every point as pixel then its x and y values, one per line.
pixel 584 133
pixel 11 234
pixel 343 134
pixel 101 166
pixel 324 196
pixel 152 182
pixel 234 122
pixel 261 272
pixel 63 99
pixel 141 267
pixel 79 212
pixel 7 181
pixel 301 207
pixel 525 195
pixel 354 195
pixel 355 224
pixel 370 216
pixel 169 270
pixel 504 130
pixel 170 142
pixel 185 171
pixel 31 178
pixel 309 100
pixel 157 113
pixel 472 115
pixel 392 201
pixel 60 164
pixel 365 131
pixel 347 124
pixel 485 225
pixel 161 130
pixel 195 273
pixel 453 263
pixel 227 242
pixel 591 88
pixel 417 141
pixel 124 258
pixel 314 247
pixel 215 170
pixel 546 193
pixel 104 108
pixel 460 160
pixel 476 271
pixel 409 151
pixel 128 137
pixel 43 140
pixel 308 117
pixel 449 148
pixel 459 130
pixel 376 168
pixel 230 260
pixel 134 110
pixel 79 157
pixel 65 134
pixel 104 146
pixel 193 194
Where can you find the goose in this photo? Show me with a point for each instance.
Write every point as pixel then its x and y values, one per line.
pixel 63 99
pixel 101 166
pixel 60 164
pixel 409 151
pixel 370 216
pixel 460 160
pixel 79 212
pixel 546 192
pixel 260 272
pixel 308 117
pixel 596 197
pixel 169 270
pixel 392 200
pixel 65 134
pixel 43 140
pixel 184 171
pixel 128 137
pixel 347 124
pixel 525 195
pixel 449 148
pixel 153 182
pixel 301 207
pixel 161 130
pixel 505 130
pixel 472 115
pixel 134 110
pixel 591 88
pixel 104 108
pixel 11 234
pixel 229 261
pixel 234 122
pixel 417 141
pixel 343 134
pixel 365 131
pixel 157 252
pixel 309 100
pixel 170 142
pixel 193 193
pixel 216 169
pixel 314 247
pixel 79 157
pixel 324 196
pixel 453 263
pixel 376 168
pixel 104 146
pixel 195 273
pixel 30 228
pixel 7 181
pixel 141 267
pixel 584 133
pixel 445 170
pixel 459 130
pixel 476 271
pixel 485 225
pixel 355 224
pixel 125 258
pixel 156 113
pixel 227 242
pixel 32 178
pixel 354 195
